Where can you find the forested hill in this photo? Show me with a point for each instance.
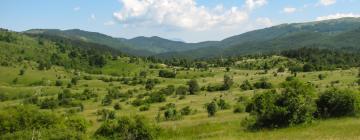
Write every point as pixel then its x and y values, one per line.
pixel 338 33
pixel 46 51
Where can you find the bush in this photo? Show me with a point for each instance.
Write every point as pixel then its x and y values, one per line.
pixel 186 111
pixel 211 108
pixel 181 90
pixel 281 69
pixel 20 122
pixel 321 76
pixel 172 114
pixel 223 105
pixel 193 87
pixel 246 85
pixel 239 108
pixel 117 106
pixel 228 82
pixel 338 103
pixel 106 101
pixel 128 128
pixel 58 83
pixel 167 74
pixel 145 107
pixel 293 106
pixel 263 85
pixel 169 90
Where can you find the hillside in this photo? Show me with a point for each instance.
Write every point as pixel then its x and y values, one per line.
pixel 322 34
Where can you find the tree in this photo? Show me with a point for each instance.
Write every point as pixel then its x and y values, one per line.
pixel 338 103
pixel 308 68
pixel 97 60
pixel 293 106
pixel 211 108
pixel 193 87
pixel 228 82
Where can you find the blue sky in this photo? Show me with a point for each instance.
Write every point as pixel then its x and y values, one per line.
pixel 188 20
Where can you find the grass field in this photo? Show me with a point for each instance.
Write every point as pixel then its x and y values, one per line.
pixel 225 125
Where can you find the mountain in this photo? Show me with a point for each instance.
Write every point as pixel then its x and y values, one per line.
pixel 141 46
pixel 337 33
pixel 281 37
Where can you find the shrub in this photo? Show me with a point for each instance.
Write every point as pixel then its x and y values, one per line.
pixel 181 90
pixel 106 101
pixel 246 85
pixel 211 108
pixel 117 106
pixel 293 106
pixel 321 76
pixel 228 82
pixel 167 74
pixel 171 114
pixel 75 80
pixel 223 105
pixel 58 83
pixel 150 84
pixel 49 103
pixel 20 122
pixel 239 108
pixel 263 85
pixel 128 128
pixel 169 90
pixel 337 103
pixel 145 107
pixel 281 69
pixel 106 114
pixel 22 72
pixel 186 111
pixel 193 87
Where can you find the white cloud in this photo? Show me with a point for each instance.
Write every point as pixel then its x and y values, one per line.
pixel 252 4
pixel 264 22
pixel 109 23
pixel 336 16
pixel 76 9
pixel 93 17
pixel 289 10
pixel 327 2
pixel 183 14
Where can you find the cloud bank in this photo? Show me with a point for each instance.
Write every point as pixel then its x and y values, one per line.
pixel 183 14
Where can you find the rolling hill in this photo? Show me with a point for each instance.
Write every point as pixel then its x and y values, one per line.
pixel 337 33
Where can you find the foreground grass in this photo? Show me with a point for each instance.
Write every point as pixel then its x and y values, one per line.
pixel 334 129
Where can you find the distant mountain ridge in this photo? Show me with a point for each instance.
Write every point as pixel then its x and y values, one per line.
pixel 281 37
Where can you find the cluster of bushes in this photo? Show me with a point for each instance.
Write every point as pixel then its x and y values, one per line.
pixel 215 105
pixel 128 128
pixel 28 122
pixel 227 84
pixel 171 113
pixel 297 104
pixel 64 99
pixel 167 74
pixel 262 84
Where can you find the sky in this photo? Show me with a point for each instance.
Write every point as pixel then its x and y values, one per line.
pixel 186 20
